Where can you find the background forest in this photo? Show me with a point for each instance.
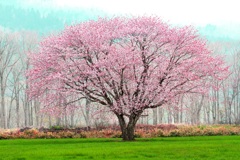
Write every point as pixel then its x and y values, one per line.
pixel 22 28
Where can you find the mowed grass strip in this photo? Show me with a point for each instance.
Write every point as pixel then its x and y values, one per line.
pixel 188 148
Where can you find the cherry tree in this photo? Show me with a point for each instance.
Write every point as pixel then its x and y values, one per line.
pixel 125 64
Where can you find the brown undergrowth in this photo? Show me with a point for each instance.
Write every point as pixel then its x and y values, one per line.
pixel 141 131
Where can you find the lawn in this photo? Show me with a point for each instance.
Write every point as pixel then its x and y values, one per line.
pixel 188 148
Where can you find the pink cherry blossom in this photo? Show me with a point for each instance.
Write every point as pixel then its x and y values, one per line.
pixel 125 64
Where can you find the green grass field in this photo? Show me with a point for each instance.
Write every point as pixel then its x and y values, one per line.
pixel 177 148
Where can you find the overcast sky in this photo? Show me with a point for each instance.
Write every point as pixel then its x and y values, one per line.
pixel 197 12
pixel 216 19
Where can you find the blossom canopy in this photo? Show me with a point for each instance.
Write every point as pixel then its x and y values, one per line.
pixel 125 64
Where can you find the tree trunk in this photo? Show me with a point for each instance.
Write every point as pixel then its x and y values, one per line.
pixel 160 115
pixel 49 122
pixel 17 108
pixel 86 113
pixel 3 109
pixel 155 117
pixel 26 110
pixel 128 129
pixel 36 112
pixel 72 119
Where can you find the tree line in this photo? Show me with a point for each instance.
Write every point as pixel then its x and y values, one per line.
pixel 220 106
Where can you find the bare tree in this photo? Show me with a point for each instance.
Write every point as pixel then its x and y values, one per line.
pixel 7 61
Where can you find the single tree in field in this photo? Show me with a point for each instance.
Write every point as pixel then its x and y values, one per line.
pixel 125 64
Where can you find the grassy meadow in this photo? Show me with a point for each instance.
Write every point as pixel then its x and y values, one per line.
pixel 181 148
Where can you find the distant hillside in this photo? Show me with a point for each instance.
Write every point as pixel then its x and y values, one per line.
pixel 41 20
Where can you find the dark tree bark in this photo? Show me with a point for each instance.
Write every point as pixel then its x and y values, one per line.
pixel 128 129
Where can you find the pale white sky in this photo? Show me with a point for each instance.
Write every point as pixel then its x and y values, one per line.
pixel 196 12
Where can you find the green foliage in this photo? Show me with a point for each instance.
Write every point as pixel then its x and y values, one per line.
pixel 174 133
pixel 57 128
